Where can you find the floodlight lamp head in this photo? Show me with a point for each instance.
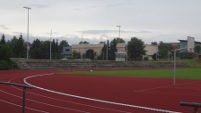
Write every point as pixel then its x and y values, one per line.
pixel 27 7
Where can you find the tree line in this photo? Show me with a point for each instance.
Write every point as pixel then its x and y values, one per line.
pixel 17 48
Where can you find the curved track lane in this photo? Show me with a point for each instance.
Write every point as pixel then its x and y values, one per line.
pixel 109 89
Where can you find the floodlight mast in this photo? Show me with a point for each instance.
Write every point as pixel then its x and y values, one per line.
pixel 119 29
pixel 28 8
pixel 174 77
pixel 50 45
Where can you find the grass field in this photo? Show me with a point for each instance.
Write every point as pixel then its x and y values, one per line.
pixel 187 73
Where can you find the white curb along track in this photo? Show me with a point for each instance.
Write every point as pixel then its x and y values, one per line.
pixel 92 99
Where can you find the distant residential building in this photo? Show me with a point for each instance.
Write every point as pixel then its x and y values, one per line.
pixel 83 48
pixel 121 47
pixel 67 51
pixel 190 44
pixel 175 45
pixel 121 53
pixel 150 51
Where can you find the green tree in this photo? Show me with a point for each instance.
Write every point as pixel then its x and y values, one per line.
pixel 112 50
pixel 36 50
pixel 18 49
pixel 36 53
pixel 84 42
pixel 3 39
pixel 120 40
pixel 57 49
pixel 21 47
pixel 13 45
pixel 36 43
pixel 197 49
pixel 90 54
pixel 154 43
pixel 164 49
pixel 113 47
pixel 45 48
pixel 62 44
pixel 135 49
pixel 103 53
pixel 76 55
pixel 154 56
pixel 54 46
pixel 101 42
pixel 5 52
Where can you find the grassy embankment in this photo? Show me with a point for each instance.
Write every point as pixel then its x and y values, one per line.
pixel 194 72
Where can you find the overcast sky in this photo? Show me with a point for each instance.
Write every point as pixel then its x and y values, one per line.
pixel 97 20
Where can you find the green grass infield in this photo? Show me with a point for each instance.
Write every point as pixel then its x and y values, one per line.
pixel 187 73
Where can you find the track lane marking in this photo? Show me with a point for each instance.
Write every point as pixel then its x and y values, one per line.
pixel 103 108
pixel 92 99
pixel 36 110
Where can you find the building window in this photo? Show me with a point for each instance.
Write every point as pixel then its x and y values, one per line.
pixel 67 50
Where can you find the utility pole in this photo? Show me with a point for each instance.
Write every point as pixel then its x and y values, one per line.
pixel 50 45
pixel 174 78
pixel 28 8
pixel 119 29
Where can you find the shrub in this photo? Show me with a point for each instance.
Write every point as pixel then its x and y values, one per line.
pixel 186 55
pixel 5 52
pixel 146 58
pixel 4 65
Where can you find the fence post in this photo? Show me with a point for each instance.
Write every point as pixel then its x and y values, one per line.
pixel 24 92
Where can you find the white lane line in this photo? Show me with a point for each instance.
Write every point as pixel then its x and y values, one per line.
pixel 76 103
pixel 92 99
pixel 103 108
pixel 36 110
pixel 108 109
pixel 75 110
pixel 70 109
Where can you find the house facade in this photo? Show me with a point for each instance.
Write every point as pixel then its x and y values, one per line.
pixel 83 48
pixel 121 54
pixel 150 51
pixel 190 44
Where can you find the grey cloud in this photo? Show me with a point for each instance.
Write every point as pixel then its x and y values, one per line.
pixel 3 27
pixel 39 5
pixel 53 33
pixel 142 31
pixel 100 32
pixel 114 4
pixel 77 9
pixel 7 36
pixel 18 33
pixel 74 39
pixel 94 32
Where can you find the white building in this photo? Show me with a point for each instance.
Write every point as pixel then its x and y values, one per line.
pixel 150 50
pixel 83 48
pixel 121 50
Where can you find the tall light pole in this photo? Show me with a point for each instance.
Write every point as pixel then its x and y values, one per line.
pixel 27 32
pixel 107 49
pixel 119 29
pixel 175 52
pixel 81 47
pixel 50 45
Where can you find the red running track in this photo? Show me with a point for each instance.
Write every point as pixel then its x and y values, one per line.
pixel 151 93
